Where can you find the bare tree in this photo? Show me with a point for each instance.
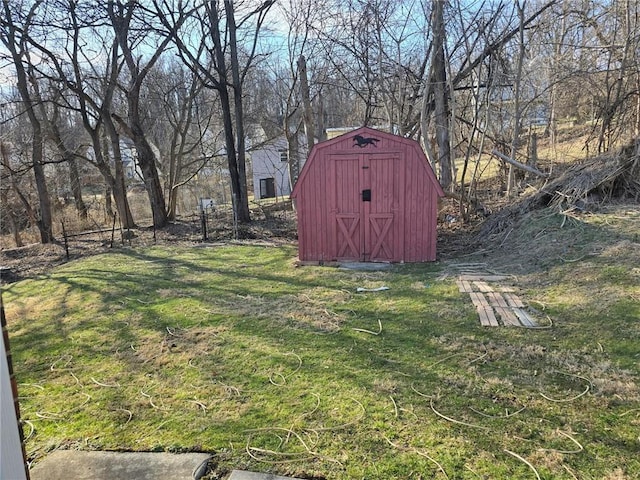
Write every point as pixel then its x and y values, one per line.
pixel 14 37
pixel 440 89
pixel 122 16
pixel 440 92
pixel 294 82
pixel 305 94
pixel 517 101
pixel 224 35
pixel 69 146
pixel 181 115
pixel 351 48
pixel 89 88
pixel 12 196
pixel 619 39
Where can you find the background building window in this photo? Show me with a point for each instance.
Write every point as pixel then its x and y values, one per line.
pixel 267 188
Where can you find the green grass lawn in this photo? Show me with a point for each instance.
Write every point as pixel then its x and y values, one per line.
pixel 236 351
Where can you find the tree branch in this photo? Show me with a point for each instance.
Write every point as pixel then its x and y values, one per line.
pixel 519 165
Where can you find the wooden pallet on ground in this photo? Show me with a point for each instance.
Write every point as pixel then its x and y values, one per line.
pixel 495 302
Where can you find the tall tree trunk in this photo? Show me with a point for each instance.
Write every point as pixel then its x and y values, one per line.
pixel 291 126
pixel 173 203
pixel 615 94
pixel 114 187
pixel 4 196
pixel 76 188
pixel 13 226
pixel 146 157
pixel 321 132
pixel 118 184
pixel 175 161
pixel 108 203
pixel 51 123
pixel 147 162
pixel 8 213
pixel 242 207
pixel 69 158
pixel 232 161
pixel 293 154
pixel 232 133
pixel 16 189
pixel 45 219
pixel 554 80
pixel 307 112
pixel 222 72
pixel 517 114
pixel 440 90
pixel 532 157
pixel 175 168
pixel 636 129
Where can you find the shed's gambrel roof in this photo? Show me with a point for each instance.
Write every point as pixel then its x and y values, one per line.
pixel 388 141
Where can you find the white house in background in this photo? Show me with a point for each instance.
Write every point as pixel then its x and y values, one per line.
pixel 130 160
pixel 271 169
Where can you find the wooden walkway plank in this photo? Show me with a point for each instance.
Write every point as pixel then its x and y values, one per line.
pixel 494 304
pixel 485 278
pixel 483 286
pixel 514 300
pixel 464 286
pixel 507 316
pixel 497 300
pixel 479 300
pixel 491 317
pixel 525 318
pixel 487 317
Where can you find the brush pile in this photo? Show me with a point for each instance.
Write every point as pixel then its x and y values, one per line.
pixel 582 187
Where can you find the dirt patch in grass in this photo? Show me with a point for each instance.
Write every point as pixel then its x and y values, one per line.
pixel 313 310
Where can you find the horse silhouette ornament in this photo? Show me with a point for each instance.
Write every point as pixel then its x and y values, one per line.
pixel 364 141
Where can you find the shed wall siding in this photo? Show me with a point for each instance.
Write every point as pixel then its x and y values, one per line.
pixel 420 214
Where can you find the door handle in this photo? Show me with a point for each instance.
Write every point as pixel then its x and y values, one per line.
pixel 366 195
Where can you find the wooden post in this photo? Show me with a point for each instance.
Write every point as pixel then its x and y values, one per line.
pixel 66 241
pixel 113 230
pixel 203 221
pixel 121 231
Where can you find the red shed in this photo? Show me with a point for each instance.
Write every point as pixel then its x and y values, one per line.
pixel 367 195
